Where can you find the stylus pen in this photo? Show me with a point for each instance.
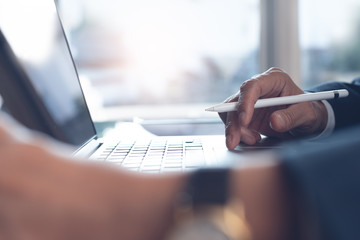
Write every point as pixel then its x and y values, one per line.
pixel 286 100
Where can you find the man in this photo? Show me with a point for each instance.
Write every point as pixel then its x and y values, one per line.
pixel 296 193
pixel 302 119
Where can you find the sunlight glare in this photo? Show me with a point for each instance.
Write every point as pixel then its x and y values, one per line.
pixel 15 14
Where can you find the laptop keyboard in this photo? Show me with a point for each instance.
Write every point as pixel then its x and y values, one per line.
pixel 156 155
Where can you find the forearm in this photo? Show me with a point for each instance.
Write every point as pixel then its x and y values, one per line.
pixel 68 199
pixel 261 188
pixel 146 205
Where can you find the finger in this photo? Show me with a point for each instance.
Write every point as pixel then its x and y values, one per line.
pixel 253 89
pixel 233 98
pixel 272 83
pixel 249 137
pixel 232 130
pixel 249 94
pixel 235 133
pixel 297 115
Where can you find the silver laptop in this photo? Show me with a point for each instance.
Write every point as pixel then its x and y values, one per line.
pixel 41 88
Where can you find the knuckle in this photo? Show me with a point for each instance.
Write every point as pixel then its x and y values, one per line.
pixel 244 85
pixel 275 69
pixel 249 93
pixel 249 84
pixel 280 74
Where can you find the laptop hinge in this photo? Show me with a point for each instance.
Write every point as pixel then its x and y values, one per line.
pixel 87 149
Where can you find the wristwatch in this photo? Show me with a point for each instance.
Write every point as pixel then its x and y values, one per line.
pixel 204 210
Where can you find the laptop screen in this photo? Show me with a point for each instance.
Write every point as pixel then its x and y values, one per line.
pixel 36 39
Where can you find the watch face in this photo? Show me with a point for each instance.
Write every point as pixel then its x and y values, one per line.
pixel 198 228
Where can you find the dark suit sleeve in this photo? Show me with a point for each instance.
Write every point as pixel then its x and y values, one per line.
pixel 347 110
pixel 324 177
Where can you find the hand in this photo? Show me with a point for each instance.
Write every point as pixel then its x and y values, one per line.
pixel 47 196
pixel 291 121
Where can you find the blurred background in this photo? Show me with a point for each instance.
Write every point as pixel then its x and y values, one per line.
pixel 163 61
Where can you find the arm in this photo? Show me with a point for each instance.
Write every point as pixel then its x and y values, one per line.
pixel 45 195
pixel 346 109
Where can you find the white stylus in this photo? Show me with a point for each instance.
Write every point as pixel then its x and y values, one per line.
pixel 286 100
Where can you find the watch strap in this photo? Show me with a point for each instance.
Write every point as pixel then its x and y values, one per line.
pixel 208 186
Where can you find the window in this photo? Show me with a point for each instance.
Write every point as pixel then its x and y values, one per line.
pixel 330 40
pixel 174 55
pixel 139 52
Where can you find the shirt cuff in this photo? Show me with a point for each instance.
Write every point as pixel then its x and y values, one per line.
pixel 330 122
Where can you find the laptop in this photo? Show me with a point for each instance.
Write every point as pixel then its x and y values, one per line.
pixel 41 88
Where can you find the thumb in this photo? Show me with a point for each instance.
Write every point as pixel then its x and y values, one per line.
pixel 292 117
